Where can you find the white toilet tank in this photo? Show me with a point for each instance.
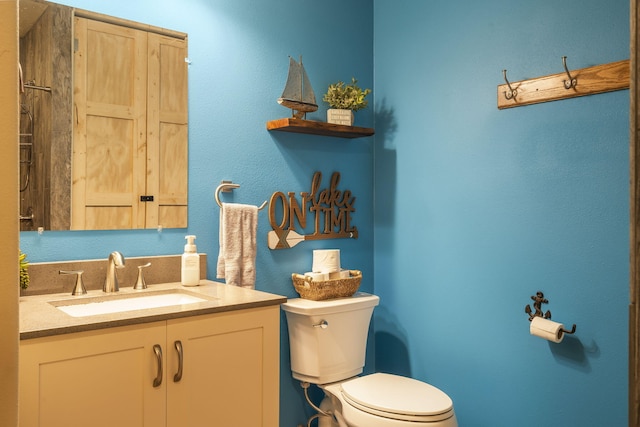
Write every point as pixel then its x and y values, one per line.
pixel 328 339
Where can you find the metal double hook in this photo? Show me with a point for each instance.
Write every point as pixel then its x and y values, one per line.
pixel 572 81
pixel 511 93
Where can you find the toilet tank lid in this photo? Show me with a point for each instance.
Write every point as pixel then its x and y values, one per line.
pixel 359 300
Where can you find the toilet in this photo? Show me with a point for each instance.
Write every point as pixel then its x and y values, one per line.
pixel 328 342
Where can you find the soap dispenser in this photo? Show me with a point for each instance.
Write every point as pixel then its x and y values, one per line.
pixel 190 263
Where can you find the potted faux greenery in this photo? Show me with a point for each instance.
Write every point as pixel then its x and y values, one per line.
pixel 344 99
pixel 24 270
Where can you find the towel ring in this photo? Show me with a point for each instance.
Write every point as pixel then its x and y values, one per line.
pixel 227 186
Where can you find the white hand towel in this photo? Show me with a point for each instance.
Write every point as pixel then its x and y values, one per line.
pixel 237 256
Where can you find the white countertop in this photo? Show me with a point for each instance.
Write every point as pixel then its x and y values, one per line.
pixel 39 317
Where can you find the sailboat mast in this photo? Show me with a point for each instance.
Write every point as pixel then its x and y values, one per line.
pixel 302 97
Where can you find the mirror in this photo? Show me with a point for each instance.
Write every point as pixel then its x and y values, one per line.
pixel 103 121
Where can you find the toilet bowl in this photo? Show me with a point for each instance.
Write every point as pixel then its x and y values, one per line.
pixel 328 346
pixel 384 400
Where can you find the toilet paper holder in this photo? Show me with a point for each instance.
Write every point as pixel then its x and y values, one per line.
pixel 538 300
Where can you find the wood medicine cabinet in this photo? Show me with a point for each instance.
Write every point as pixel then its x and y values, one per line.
pixel 104 107
pixel 130 138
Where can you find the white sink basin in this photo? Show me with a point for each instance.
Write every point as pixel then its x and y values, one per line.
pixel 128 302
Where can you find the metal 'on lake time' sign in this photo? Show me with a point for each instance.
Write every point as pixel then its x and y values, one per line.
pixel 330 209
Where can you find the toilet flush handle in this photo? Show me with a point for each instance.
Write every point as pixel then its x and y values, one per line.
pixel 323 324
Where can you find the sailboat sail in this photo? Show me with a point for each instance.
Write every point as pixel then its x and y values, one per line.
pixel 307 91
pixel 293 87
pixel 298 93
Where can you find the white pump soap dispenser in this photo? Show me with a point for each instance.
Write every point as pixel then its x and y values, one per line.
pixel 190 263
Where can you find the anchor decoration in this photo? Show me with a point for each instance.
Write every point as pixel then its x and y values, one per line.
pixel 538 300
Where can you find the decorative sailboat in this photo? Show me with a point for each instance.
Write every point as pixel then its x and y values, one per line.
pixel 298 93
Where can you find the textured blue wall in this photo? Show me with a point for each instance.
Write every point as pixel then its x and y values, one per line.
pixel 239 51
pixel 477 209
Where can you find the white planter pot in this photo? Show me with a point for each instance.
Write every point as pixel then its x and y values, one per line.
pixel 340 117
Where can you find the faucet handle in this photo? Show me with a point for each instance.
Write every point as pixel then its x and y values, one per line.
pixel 79 288
pixel 140 283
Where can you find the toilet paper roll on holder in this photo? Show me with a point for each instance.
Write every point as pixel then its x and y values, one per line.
pixel 538 300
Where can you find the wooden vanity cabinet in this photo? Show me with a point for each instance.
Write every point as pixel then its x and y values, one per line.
pixel 229 377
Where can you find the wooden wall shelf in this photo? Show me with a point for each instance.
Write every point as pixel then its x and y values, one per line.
pixel 292 124
pixel 589 81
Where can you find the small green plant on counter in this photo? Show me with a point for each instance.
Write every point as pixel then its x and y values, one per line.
pixel 24 270
pixel 346 96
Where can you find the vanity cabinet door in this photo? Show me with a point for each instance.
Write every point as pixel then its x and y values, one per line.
pixel 100 378
pixel 230 374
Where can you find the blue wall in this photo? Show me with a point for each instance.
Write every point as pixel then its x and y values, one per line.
pixel 477 209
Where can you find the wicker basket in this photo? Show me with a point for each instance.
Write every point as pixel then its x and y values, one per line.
pixel 326 289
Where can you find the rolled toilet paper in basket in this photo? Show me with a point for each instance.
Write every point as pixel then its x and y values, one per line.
pixel 326 260
pixel 342 274
pixel 317 277
pixel 547 329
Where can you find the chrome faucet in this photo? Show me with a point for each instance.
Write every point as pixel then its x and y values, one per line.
pixel 116 260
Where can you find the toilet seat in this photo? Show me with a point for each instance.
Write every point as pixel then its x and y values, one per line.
pixel 398 398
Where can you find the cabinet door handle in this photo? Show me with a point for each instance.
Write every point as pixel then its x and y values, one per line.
pixel 158 352
pixel 178 376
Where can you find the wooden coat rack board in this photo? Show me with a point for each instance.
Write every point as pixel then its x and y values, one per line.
pixel 568 84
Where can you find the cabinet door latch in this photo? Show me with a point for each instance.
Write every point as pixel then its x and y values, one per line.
pixel 146 198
